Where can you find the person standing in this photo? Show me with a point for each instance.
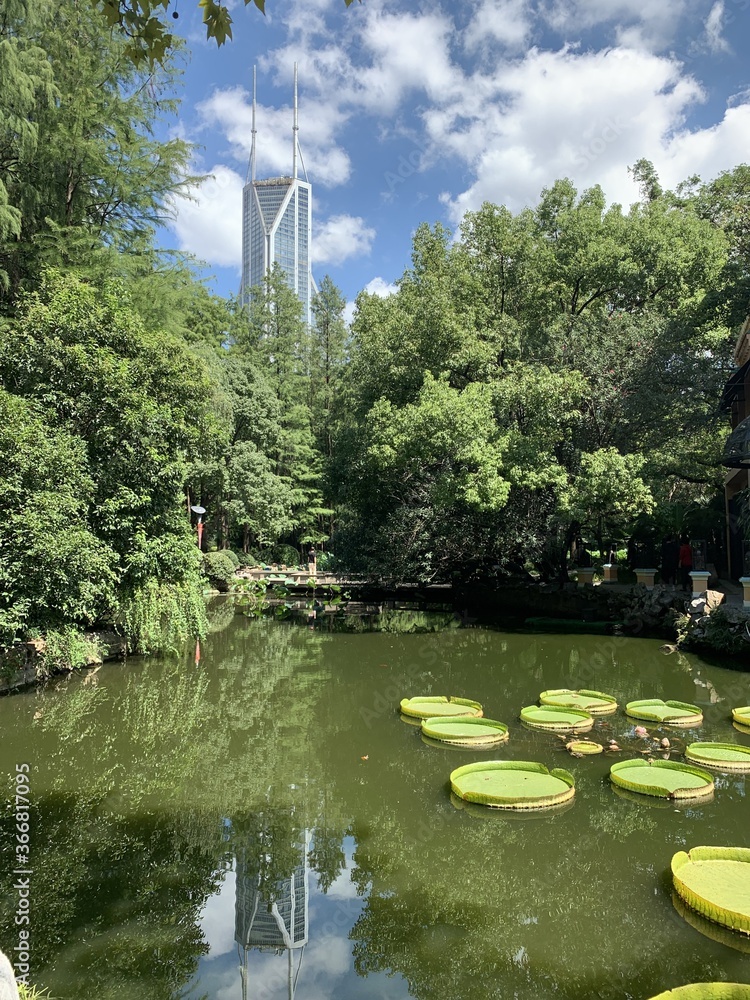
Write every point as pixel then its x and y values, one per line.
pixel 312 564
pixel 670 558
pixel 686 562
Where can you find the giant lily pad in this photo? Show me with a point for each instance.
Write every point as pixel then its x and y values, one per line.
pixel 725 756
pixel 465 730
pixel 477 811
pixel 593 702
pixel 707 991
pixel 434 705
pixel 715 881
pixel 722 935
pixel 675 713
pixel 742 715
pixel 512 784
pixel 556 717
pixel 586 747
pixel 664 778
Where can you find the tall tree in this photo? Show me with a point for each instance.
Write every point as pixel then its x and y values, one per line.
pixel 327 357
pixel 97 176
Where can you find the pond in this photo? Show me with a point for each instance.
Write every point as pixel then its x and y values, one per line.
pixel 262 824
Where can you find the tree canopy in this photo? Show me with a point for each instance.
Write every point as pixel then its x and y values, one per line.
pixel 143 23
pixel 542 374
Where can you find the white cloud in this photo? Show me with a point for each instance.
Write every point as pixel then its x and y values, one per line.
pixel 657 23
pixel 217 917
pixel 398 55
pixel 379 286
pixel 555 114
pixel 706 151
pixel 210 225
pixel 230 110
pixel 500 126
pixel 505 21
pixel 339 238
pixel 349 309
pixel 714 26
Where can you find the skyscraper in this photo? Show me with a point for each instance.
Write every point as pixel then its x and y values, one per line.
pixel 277 223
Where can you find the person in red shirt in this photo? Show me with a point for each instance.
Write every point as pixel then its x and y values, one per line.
pixel 686 561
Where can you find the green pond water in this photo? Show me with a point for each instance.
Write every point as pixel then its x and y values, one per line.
pixel 263 824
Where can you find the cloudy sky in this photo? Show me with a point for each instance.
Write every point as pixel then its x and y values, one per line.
pixel 419 111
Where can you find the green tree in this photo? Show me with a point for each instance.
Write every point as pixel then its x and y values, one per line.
pixel 609 494
pixel 83 172
pixel 327 342
pixel 277 341
pixel 26 85
pixel 135 404
pixel 53 568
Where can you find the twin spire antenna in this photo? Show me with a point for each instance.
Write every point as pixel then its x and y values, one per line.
pixel 295 132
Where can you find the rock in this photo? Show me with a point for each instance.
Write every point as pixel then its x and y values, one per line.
pixel 713 599
pixel 8 988
pixel 697 607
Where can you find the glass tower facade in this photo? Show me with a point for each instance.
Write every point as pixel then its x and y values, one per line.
pixel 277 228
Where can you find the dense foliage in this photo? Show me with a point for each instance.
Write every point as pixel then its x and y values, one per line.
pixel 549 374
pixel 545 375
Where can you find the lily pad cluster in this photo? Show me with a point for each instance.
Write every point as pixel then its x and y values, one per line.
pixel 710 883
pixel 460 722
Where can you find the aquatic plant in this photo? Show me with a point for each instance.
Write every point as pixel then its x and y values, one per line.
pixel 428 706
pixel 512 784
pixel 556 717
pixel 465 730
pixel 725 756
pixel 663 778
pixel 675 713
pixel 707 991
pixel 715 881
pixel 585 747
pixel 593 702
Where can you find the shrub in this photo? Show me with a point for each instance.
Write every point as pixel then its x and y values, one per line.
pixel 723 630
pixel 219 569
pixel 236 561
pixel 247 558
pixel 160 617
pixel 69 649
pixel 326 562
pixel 286 554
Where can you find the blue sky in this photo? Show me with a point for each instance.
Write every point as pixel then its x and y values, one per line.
pixel 418 112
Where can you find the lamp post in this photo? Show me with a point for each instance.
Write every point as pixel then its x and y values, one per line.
pixel 200 511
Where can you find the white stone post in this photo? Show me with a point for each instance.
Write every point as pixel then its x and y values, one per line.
pixel 610 572
pixel 646 577
pixel 585 575
pixel 745 581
